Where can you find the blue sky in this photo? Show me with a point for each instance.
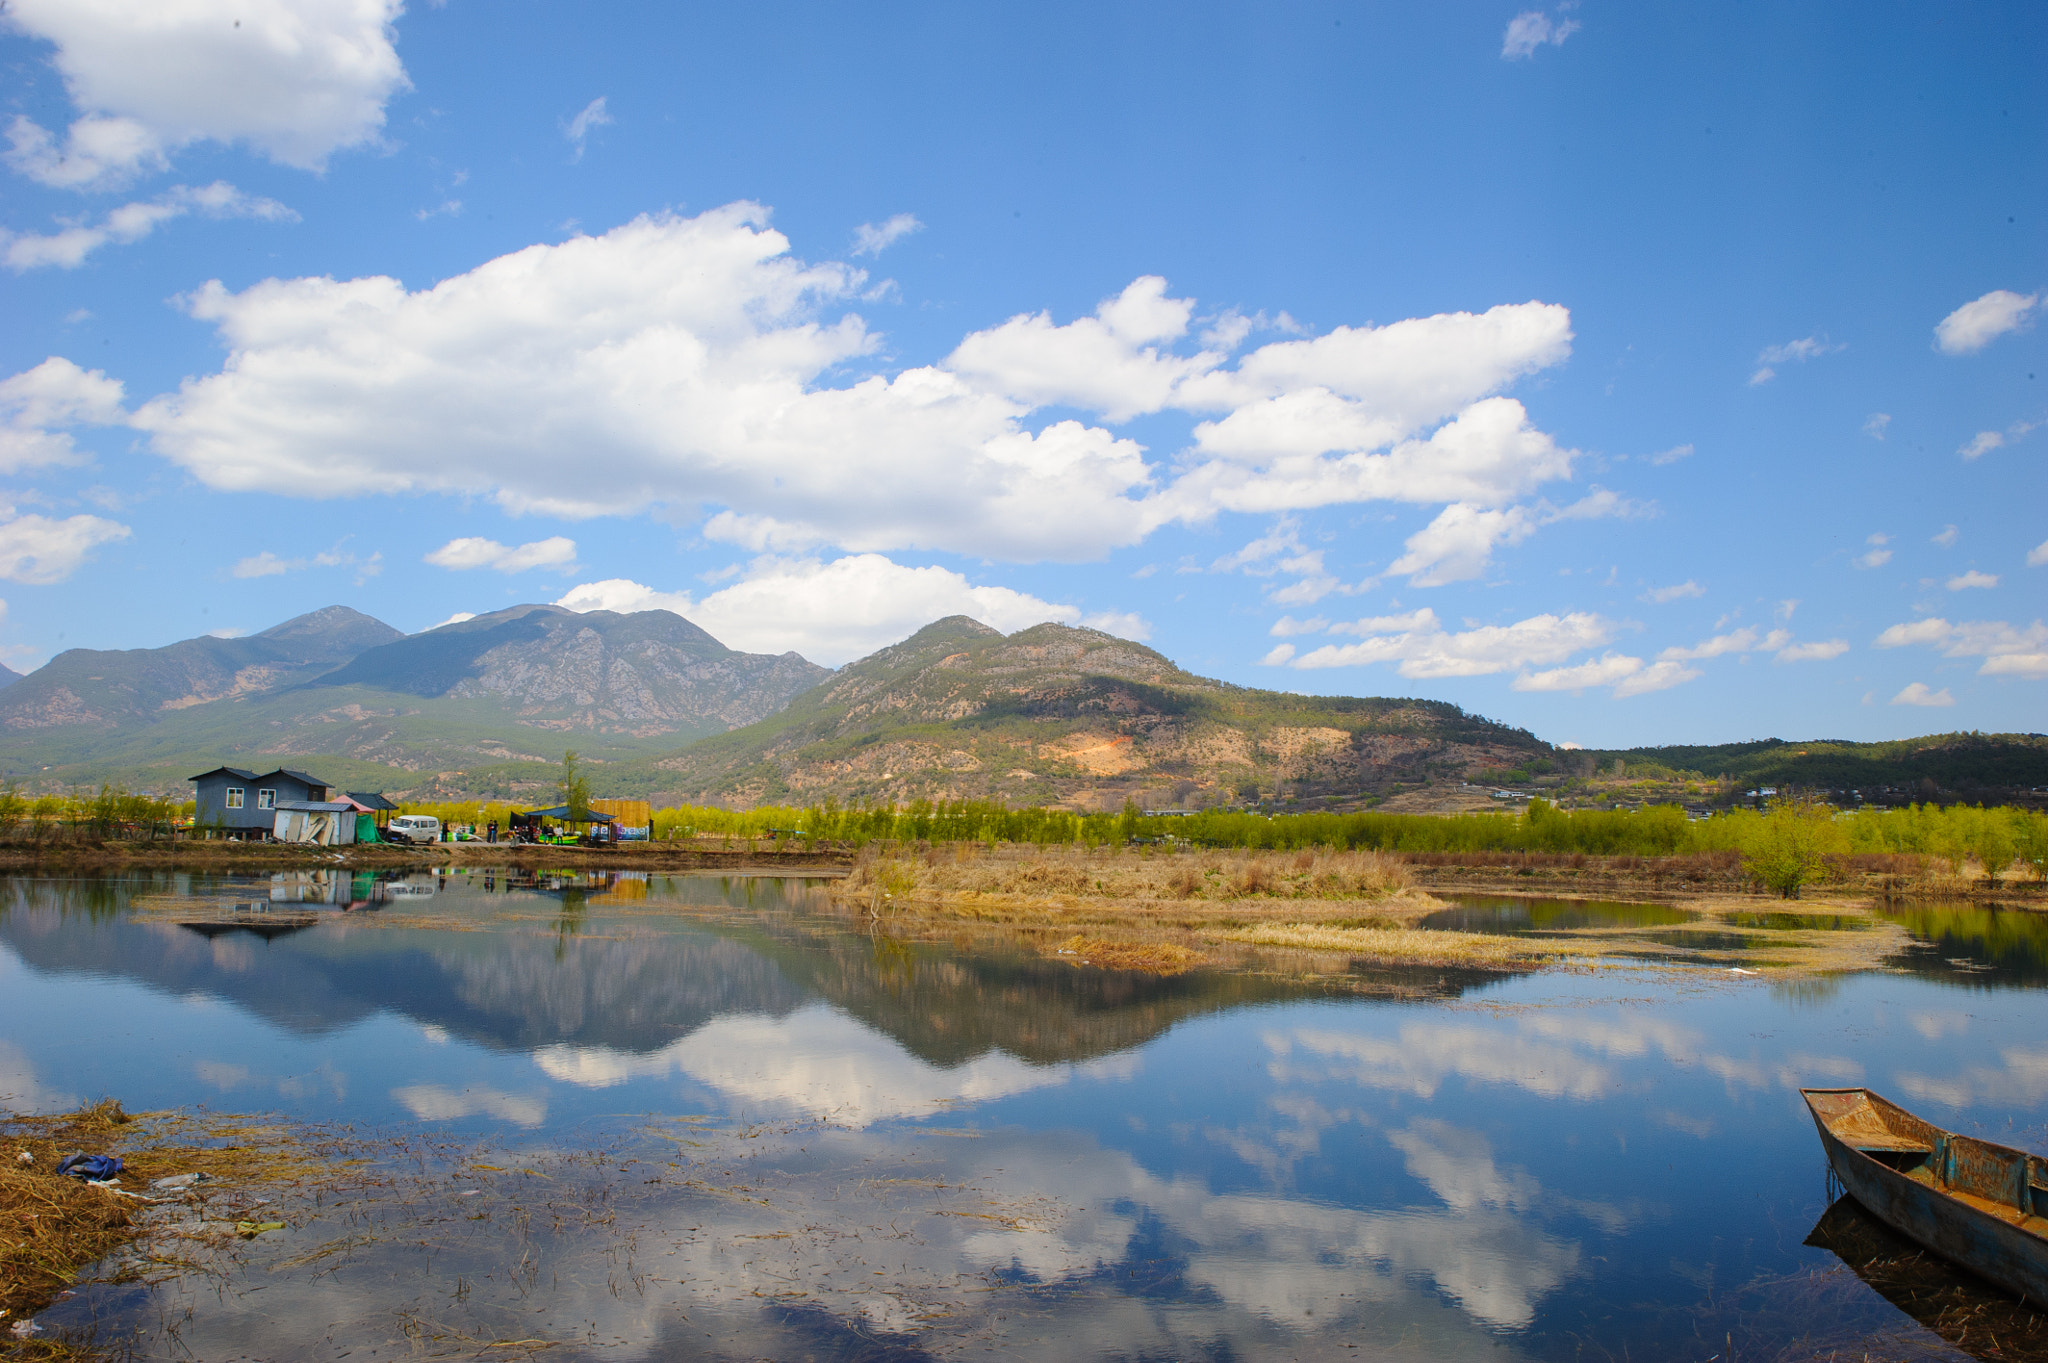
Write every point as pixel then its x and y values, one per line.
pixel 1633 374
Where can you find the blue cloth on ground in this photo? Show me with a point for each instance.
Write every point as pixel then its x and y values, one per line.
pixel 90 1166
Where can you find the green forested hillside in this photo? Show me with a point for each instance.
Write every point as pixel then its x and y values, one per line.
pixel 1956 764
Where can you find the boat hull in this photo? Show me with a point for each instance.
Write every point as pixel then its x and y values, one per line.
pixel 1933 1213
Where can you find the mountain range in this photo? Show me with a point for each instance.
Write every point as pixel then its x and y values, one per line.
pixel 1052 714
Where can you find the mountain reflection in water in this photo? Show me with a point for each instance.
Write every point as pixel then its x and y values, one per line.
pixel 857 1145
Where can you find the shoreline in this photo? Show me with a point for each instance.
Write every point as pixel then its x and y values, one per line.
pixel 1168 912
pixel 258 857
pixel 1595 877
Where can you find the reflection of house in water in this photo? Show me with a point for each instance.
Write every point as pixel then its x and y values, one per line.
pixel 293 901
pixel 345 890
pixel 268 926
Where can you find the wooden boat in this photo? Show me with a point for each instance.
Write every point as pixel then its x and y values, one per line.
pixel 1980 1205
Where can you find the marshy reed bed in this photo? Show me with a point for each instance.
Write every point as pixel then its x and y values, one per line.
pixel 59 1233
pixel 1167 910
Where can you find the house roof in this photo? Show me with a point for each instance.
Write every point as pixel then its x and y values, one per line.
pixel 301 776
pixel 370 799
pixel 317 806
pixel 224 771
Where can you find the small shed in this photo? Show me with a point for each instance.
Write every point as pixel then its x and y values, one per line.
pixel 323 823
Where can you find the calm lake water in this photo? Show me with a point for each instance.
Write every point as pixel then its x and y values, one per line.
pixel 701 1117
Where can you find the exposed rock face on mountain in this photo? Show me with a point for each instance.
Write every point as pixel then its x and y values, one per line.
pixel 109 689
pixel 1055 713
pixel 648 673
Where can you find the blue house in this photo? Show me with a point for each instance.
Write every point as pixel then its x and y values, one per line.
pixel 244 805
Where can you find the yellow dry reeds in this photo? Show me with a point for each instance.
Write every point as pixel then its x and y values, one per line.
pixel 1400 944
pixel 1158 958
pixel 52 1228
pixel 1131 875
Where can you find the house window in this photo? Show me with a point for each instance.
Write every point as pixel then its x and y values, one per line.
pixel 234 797
pixel 266 799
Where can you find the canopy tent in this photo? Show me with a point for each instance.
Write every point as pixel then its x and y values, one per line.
pixel 560 814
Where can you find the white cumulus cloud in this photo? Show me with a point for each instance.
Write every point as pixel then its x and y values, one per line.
pixel 871 238
pixel 1973 578
pixel 2007 651
pixel 1744 640
pixel 1665 595
pixel 131 222
pixel 268 564
pixel 1791 352
pixel 577 129
pixel 1629 676
pixel 556 551
pixel 2038 555
pixel 692 358
pixel 1459 543
pixel 1919 693
pixel 38 406
pixel 295 80
pixel 1877 555
pixel 41 550
pixel 835 612
pixel 1421 647
pixel 1532 29
pixel 1819 651
pixel 1981 321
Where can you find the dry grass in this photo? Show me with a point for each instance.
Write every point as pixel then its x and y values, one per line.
pixel 1406 946
pixel 1172 910
pixel 1168 912
pixel 969 876
pixel 1157 958
pixel 55 1228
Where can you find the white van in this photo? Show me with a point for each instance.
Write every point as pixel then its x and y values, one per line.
pixel 414 828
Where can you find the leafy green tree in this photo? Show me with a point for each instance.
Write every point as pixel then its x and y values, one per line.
pixel 574 788
pixel 1790 845
pixel 1991 841
pixel 44 813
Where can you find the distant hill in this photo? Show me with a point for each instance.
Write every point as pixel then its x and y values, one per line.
pixel 1056 713
pixel 8 676
pixel 1938 765
pixel 113 689
pixel 649 673
pixel 486 704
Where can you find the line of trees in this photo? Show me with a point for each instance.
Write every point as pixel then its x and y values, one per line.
pixel 104 814
pixel 1785 846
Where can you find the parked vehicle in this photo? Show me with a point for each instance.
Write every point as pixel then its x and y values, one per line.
pixel 1981 1205
pixel 413 829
